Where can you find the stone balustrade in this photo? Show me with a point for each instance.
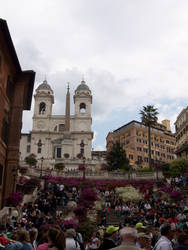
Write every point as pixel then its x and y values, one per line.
pixel 96 174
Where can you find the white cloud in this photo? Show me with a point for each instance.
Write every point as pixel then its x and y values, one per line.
pixel 132 53
pixel 100 148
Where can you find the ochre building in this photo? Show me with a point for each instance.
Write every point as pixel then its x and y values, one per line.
pixel 181 126
pixel 133 136
pixel 16 88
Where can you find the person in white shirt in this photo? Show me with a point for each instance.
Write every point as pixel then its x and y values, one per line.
pixel 71 242
pixel 164 243
pixel 147 206
pixel 61 187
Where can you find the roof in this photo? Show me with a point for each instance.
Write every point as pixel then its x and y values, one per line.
pixel 28 75
pixel 44 85
pixel 8 41
pixel 158 126
pixel 83 86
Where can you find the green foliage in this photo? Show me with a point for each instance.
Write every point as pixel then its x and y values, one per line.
pixel 145 169
pixel 31 160
pixel 149 118
pixel 59 166
pixel 166 169
pixel 149 115
pixel 116 158
pixel 178 166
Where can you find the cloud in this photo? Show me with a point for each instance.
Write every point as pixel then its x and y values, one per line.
pixel 131 53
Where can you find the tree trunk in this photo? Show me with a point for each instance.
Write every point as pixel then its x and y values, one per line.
pixel 149 147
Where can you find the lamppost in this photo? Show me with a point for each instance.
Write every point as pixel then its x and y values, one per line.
pixel 82 145
pixel 42 159
pixel 14 173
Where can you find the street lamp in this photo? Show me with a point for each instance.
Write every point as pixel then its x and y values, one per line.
pixel 84 170
pixel 42 159
pixel 14 173
pixel 82 145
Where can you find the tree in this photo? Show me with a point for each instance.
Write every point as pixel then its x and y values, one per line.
pixel 178 166
pixel 31 160
pixel 149 119
pixel 59 166
pixel 116 158
pixel 166 170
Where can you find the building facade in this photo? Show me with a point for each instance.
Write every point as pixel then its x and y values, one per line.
pixel 16 88
pixel 133 136
pixel 181 126
pixel 59 138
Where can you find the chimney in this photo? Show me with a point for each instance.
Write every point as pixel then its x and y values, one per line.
pixel 166 123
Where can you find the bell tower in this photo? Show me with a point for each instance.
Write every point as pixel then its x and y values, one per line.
pixel 83 101
pixel 44 99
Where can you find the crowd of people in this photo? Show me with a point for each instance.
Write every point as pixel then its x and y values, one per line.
pixel 152 223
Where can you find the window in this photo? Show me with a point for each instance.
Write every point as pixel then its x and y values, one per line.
pixel 61 127
pixel 5 131
pixel 138 140
pixel 39 150
pixel 139 158
pixel 42 108
pixel 28 148
pixel 82 107
pixel 58 152
pixel 29 138
pixel 131 157
pixel 157 153
pixel 139 149
pixel 145 150
pixel 39 144
pixel 146 159
pixel 145 142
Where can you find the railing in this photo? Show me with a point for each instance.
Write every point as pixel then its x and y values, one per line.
pixel 97 174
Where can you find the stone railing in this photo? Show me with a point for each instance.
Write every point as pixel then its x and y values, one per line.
pixel 97 174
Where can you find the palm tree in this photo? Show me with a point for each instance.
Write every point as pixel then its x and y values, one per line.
pixel 149 118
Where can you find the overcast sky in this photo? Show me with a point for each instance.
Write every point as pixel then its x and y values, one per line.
pixel 130 52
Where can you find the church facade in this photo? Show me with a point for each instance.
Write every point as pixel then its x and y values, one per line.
pixel 59 138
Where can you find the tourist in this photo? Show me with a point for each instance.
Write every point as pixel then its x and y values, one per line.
pixel 140 227
pixel 109 238
pixel 164 243
pixel 144 241
pixel 95 241
pixel 43 238
pixel 128 237
pixel 23 237
pixel 71 242
pixel 56 238
pixel 33 236
pixel 182 242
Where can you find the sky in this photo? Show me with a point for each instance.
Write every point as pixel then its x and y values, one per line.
pixel 131 53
